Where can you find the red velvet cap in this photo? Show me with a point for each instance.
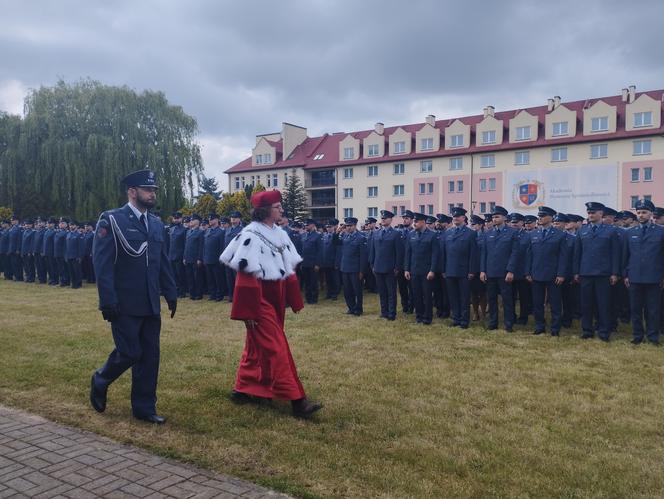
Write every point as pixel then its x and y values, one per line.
pixel 265 198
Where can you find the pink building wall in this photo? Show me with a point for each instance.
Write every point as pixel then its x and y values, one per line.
pixel 403 201
pixel 640 188
pixel 488 196
pixel 426 199
pixel 455 197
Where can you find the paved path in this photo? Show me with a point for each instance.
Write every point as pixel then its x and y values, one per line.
pixel 39 458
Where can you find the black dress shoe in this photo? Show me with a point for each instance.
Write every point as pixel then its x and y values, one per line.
pixel 97 397
pixel 655 343
pixel 635 341
pixel 538 332
pixel 391 318
pixel 151 418
pixel 304 409
pixel 555 333
pixel 509 329
pixel 492 328
pixel 587 336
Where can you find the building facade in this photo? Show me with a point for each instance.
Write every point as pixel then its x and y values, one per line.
pixel 608 149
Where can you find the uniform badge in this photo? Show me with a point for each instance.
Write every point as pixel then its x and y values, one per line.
pixel 102 232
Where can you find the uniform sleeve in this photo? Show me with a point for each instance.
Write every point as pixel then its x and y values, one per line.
pixel 103 259
pixel 166 278
pixel 319 252
pixel 625 257
pixel 406 259
pixel 399 248
pixel 364 261
pixel 474 263
pixel 576 258
pixel 563 257
pixel 513 261
pixel 435 251
pixel 483 256
pixel 616 250
pixel 246 298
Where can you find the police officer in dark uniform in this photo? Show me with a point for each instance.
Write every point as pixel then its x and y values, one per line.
pixel 521 286
pixel 192 258
pixel 37 245
pixel 233 230
pixel 15 240
pixel 441 301
pixel 420 264
pixel 498 263
pixel 477 286
pixel 27 247
pixel 643 268
pixel 386 261
pixel 369 231
pixel 560 222
pixel 4 250
pixel 353 264
pixel 618 292
pixel 88 239
pixel 212 248
pixel 132 270
pixel 59 249
pixel 177 234
pixel 48 253
pixel 310 265
pixel 74 248
pixel 547 264
pixel 328 262
pixel 405 286
pixel 596 268
pixel 460 262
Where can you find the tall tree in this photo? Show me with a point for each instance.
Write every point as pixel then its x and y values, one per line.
pixel 208 185
pixel 76 141
pixel 294 197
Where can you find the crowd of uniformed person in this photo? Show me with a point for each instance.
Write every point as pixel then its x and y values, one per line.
pixel 600 269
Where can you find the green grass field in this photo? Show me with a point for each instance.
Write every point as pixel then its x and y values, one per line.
pixel 410 411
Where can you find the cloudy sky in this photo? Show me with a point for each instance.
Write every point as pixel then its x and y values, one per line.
pixel 242 67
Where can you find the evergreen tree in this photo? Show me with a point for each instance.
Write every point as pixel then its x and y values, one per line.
pixel 294 197
pixel 208 185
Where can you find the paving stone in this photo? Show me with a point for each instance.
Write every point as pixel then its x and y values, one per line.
pixel 20 485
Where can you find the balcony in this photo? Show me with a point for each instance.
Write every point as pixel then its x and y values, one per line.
pixel 319 183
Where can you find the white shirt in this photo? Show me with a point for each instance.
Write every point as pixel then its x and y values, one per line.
pixel 138 214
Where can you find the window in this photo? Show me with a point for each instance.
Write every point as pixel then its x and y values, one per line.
pixel 456 140
pixel 372 211
pixel 459 185
pixel 285 179
pixel 647 174
pixel 259 159
pixel 642 147
pixel 402 210
pixel 635 174
pixel 459 205
pixel 372 170
pixel 318 156
pixel 647 197
pixel 348 192
pixel 399 147
pixel 560 128
pixel 269 180
pixel 492 206
pixel 482 185
pixel 522 158
pixel 421 208
pixel 237 182
pixel 559 154
pixel 450 207
pixel 253 180
pixel 600 124
pixel 426 166
pixel 430 209
pixel 348 173
pixel 456 163
pixel 349 152
pixel 492 184
pixel 482 207
pixel 450 186
pixel 426 144
pixel 633 200
pixel 643 119
pixel 267 158
pixel 348 212
pixel 275 180
pixel 430 188
pixel 398 190
pixel 399 168
pixel 394 210
pixel 372 192
pixel 373 150
pixel 488 161
pixel 243 183
pixel 522 132
pixel 422 188
pixel 598 151
pixel 489 137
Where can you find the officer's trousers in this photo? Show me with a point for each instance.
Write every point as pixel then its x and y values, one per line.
pixel 569 305
pixel 406 293
pixel 422 298
pixel 645 301
pixel 458 292
pixel 52 269
pixel 17 266
pixel 40 265
pixel 75 273
pixel 440 299
pixel 521 291
pixel 180 276
pixel 3 264
pixel 136 346
pixel 542 290
pixel 310 281
pixel 88 269
pixel 63 271
pixel 353 292
pixel 194 284
pixel 494 287
pixel 230 282
pixel 216 279
pixel 386 284
pixel 29 267
pixel 332 282
pixel 595 299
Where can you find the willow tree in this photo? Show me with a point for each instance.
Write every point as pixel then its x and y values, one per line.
pixel 76 141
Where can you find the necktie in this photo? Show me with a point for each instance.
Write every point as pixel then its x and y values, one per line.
pixel 644 228
pixel 546 232
pixel 142 219
pixel 594 228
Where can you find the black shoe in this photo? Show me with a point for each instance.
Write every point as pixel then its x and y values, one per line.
pixel 426 323
pixel 587 336
pixel 239 397
pixel 357 314
pixel 555 333
pixel 151 418
pixel 97 397
pixel 655 343
pixel 605 339
pixel 304 409
pixel 538 332
pixel 636 342
pixel 509 329
pixel 391 318
pixel 492 328
pixel 349 312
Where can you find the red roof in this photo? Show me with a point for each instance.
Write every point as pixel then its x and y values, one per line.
pixel 328 145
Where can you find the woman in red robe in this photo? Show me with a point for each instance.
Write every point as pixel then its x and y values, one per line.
pixel 265 260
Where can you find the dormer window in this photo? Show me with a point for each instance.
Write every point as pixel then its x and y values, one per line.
pixel 643 119
pixel 399 147
pixel 600 124
pixel 456 140
pixel 349 152
pixel 489 137
pixel 263 159
pixel 560 128
pixel 523 133
pixel 426 144
pixel 373 150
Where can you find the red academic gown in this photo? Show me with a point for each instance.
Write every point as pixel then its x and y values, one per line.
pixel 267 368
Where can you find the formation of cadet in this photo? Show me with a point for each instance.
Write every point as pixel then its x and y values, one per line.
pixel 600 269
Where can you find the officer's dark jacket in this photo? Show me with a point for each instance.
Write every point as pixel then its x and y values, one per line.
pixel 422 251
pixel 328 252
pixel 49 238
pixel 230 233
pixel 213 241
pixel 523 237
pixel 643 255
pixel 386 251
pixel 129 281
pixel 597 253
pixel 75 245
pixel 548 257
pixel 88 239
pixel 353 252
pixel 311 249
pixel 60 243
pixel 499 252
pixel 28 241
pixel 15 239
pixel 4 242
pixel 193 246
pixel 295 237
pixel 459 253
pixel 38 241
pixel 177 235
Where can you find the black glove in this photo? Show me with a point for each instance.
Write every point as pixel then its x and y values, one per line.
pixel 110 313
pixel 172 306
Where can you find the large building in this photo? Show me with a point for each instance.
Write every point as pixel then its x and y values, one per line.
pixel 608 149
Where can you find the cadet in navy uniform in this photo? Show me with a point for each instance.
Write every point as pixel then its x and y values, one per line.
pixel 310 265
pixel 177 234
pixel 405 286
pixel 48 253
pixel 15 240
pixel 88 239
pixel 547 264
pixel 460 263
pixel 369 230
pixel 386 261
pixel 74 254
pixel 560 222
pixel 212 248
pixel 328 263
pixel 597 268
pixel 37 245
pixel 420 264
pixel 643 268
pixel 4 250
pixel 192 258
pixel 59 248
pixel 132 269
pixel 27 256
pixel 497 265
pixel 618 291
pixel 234 229
pixel 521 288
pixel 353 264
pixel 477 286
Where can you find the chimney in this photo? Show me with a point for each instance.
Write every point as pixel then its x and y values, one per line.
pixel 556 101
pixel 379 128
pixel 430 120
pixel 549 105
pixel 625 93
pixel 632 94
pixel 488 111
